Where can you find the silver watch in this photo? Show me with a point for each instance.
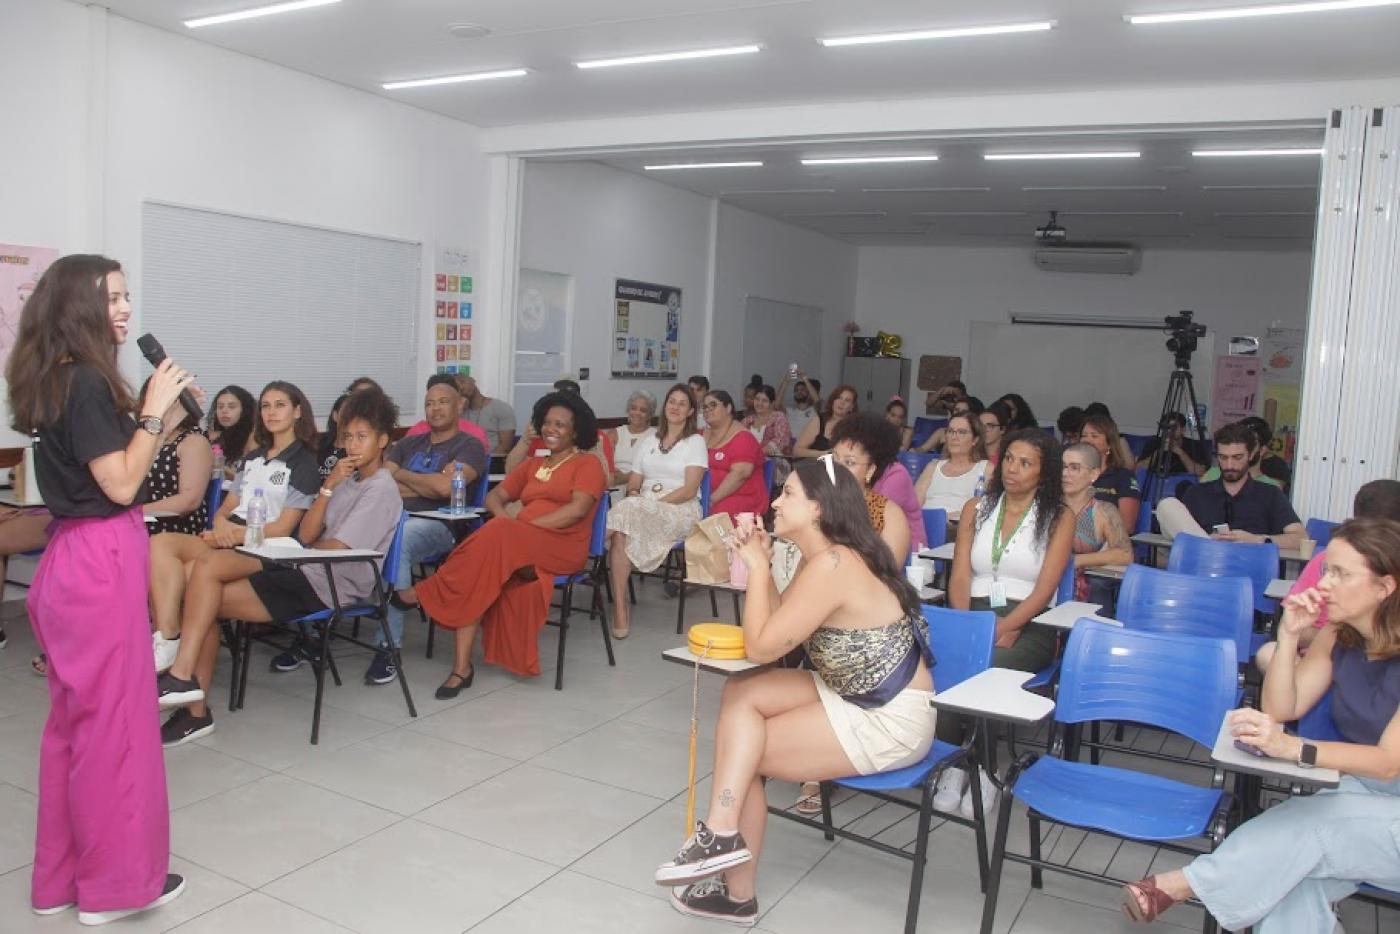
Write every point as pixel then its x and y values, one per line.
pixel 153 424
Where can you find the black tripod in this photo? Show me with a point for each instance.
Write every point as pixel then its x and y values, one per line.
pixel 1181 389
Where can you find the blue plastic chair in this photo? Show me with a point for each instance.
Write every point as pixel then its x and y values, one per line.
pixel 1165 601
pixel 925 427
pixel 936 527
pixel 1320 531
pixel 962 646
pixel 915 462
pixel 1045 677
pixel 1112 673
pixel 1136 443
pixel 1169 485
pixel 323 621
pixel 594 573
pixel 1206 557
pixel 770 467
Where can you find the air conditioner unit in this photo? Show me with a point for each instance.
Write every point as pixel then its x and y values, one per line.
pixel 1103 260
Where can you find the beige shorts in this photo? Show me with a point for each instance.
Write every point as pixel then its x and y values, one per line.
pixel 890 737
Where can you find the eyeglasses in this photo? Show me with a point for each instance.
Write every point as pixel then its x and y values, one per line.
pixel 996 425
pixel 1075 468
pixel 958 432
pixel 710 405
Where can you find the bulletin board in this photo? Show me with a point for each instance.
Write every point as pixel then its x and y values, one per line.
pixel 646 330
pixel 454 290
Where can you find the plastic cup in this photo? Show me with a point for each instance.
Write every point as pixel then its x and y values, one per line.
pixel 917 574
pixel 1306 547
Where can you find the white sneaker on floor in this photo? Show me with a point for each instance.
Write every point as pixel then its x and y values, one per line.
pixel 166 650
pixel 990 792
pixel 949 793
pixel 174 886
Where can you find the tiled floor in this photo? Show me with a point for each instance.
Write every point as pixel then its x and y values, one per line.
pixel 513 808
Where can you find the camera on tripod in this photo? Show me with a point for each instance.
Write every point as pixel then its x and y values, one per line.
pixel 1184 336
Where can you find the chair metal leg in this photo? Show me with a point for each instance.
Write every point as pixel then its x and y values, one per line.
pixel 563 631
pixel 602 612
pixel 1094 740
pixel 979 816
pixel 319 668
pixel 989 904
pixel 397 655
pixel 1034 825
pixel 738 616
pixel 714 604
pixel 631 592
pixel 680 611
pixel 916 874
pixel 826 810
pixel 247 650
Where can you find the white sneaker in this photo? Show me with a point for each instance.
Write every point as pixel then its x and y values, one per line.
pixel 948 795
pixel 174 886
pixel 990 792
pixel 166 650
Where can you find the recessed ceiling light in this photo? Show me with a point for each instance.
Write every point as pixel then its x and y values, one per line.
pixel 702 165
pixel 869 160
pixel 669 57
pixel 1242 153
pixel 468 30
pixel 256 12
pixel 1009 156
pixel 1275 9
pixel 455 79
pixel 916 35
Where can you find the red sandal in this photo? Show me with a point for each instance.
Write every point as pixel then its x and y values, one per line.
pixel 1145 892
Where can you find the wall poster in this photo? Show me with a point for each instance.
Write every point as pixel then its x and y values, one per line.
pixel 20 269
pixel 646 330
pixel 453 288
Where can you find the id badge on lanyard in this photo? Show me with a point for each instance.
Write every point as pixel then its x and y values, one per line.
pixel 997 598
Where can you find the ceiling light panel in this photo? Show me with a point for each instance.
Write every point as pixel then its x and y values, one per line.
pixel 912 191
pixel 1250 12
pixel 1092 188
pixel 668 167
pixel 964 32
pixel 669 57
pixel 455 79
pixel 256 12
pixel 1251 153
pixel 869 160
pixel 1049 156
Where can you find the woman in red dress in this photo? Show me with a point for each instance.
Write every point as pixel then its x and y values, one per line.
pixel 736 460
pixel 501 578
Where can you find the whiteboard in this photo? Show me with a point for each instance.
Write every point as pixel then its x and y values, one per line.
pixel 777 334
pixel 1055 367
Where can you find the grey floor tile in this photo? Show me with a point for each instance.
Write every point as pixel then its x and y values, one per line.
pixel 194 772
pixel 515 722
pixel 19 749
pixel 257 912
pixel 632 756
pixel 18 809
pixel 274 730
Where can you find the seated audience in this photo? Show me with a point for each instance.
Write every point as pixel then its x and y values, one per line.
pixel 938 440
pixel 328 449
pixel 940 402
pixel 22 530
pixel 865 445
pixel 949 482
pixel 1070 423
pixel 768 424
pixel 230 425
pixel 994 419
pixel 1264 465
pixel 1235 508
pixel 358 507
pixel 735 460
pixel 283 467
pixel 816 437
pixel 501 578
pixel 423 466
pixel 663 500
pixel 1125 450
pixel 177 488
pixel 628 438
pixel 699 386
pixel 897 413
pixel 1099 534
pixel 864 709
pixel 1117 482
pixel 1021 414
pixel 495 416
pixel 1187 455
pixel 1012 548
pixel 754 384
pixel 1283 871
pixel 806 400
pixel 529 444
pixel 1379 499
pixel 421 427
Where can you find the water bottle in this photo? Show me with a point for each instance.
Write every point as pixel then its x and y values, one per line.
pixel 218 461
pixel 459 491
pixel 981 488
pixel 257 520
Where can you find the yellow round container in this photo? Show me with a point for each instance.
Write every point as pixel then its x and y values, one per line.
pixel 724 641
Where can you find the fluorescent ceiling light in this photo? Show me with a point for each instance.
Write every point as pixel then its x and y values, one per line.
pixel 939 190
pixel 456 79
pixel 669 57
pixel 1089 321
pixel 834 214
pixel 256 12
pixel 1044 156
pixel 702 165
pixel 778 191
pixel 960 33
pixel 1275 9
pixel 1237 153
pixel 1093 188
pixel 969 213
pixel 868 160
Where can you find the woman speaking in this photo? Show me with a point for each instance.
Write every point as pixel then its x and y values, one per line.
pixel 103 841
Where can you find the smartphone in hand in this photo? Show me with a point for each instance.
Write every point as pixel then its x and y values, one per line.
pixel 1254 751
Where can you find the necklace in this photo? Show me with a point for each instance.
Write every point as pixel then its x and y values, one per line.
pixel 545 471
pixel 665 448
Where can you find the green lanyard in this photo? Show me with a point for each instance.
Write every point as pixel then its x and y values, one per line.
pixel 999 546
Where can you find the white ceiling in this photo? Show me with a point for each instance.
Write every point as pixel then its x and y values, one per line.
pixel 363 43
pixel 1166 198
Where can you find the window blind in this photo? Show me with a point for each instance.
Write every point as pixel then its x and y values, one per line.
pixel 247 301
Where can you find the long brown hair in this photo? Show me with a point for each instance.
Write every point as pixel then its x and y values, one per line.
pixel 64 321
pixel 836 394
pixel 305 425
pixel 1378 543
pixel 1107 427
pixel 688 428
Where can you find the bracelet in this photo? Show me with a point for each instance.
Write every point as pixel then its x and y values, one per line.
pixel 326 491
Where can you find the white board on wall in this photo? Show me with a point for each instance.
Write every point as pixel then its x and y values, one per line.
pixel 777 334
pixel 1055 367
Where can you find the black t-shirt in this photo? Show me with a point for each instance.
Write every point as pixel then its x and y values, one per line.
pixel 418 454
pixel 1258 507
pixel 89 428
pixel 1192 447
pixel 1116 484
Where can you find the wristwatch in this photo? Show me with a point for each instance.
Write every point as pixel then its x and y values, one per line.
pixel 1268 539
pixel 152 423
pixel 1307 756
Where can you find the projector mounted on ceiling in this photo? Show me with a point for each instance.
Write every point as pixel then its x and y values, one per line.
pixel 1054 253
pixel 1051 234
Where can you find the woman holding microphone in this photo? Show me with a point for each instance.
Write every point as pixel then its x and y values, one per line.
pixel 103 841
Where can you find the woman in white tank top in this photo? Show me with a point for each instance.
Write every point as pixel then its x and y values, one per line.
pixel 950 482
pixel 627 439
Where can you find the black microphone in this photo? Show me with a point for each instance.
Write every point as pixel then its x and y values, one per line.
pixel 155 355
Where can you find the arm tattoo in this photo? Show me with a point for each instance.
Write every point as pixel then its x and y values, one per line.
pixel 1117 536
pixel 835 558
pixel 726 798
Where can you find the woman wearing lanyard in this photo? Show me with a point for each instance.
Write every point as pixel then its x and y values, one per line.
pixel 103 840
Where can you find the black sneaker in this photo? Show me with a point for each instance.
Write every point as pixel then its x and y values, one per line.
pixel 710 899
pixel 301 652
pixel 3 640
pixel 382 669
pixel 177 692
pixel 174 887
pixel 705 854
pixel 183 726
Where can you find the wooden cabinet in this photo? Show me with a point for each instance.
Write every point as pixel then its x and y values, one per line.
pixel 876 379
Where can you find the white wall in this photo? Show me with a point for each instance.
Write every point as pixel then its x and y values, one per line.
pixel 931 295
pixel 764 258
pixel 195 125
pixel 599 224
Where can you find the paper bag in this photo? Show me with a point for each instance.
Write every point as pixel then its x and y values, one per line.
pixel 706 557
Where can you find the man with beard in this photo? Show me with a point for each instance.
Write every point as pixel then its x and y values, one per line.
pixel 1237 507
pixel 806 396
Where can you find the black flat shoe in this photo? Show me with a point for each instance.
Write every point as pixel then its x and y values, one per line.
pixel 399 603
pixel 464 681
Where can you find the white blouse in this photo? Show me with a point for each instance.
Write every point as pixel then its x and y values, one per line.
pixel 665 472
pixel 1020 562
pixel 627 446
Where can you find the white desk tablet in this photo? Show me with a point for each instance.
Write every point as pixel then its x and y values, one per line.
pixel 1070 612
pixel 723 666
pixel 1225 753
pixel 943 552
pixel 996 693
